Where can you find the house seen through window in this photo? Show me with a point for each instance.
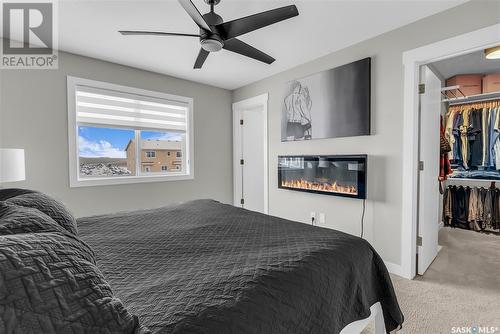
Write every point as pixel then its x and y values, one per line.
pixel 110 152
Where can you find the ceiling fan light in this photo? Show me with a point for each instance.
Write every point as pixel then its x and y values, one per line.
pixel 492 53
pixel 211 45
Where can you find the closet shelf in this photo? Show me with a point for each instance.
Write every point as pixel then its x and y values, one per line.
pixel 462 179
pixel 473 98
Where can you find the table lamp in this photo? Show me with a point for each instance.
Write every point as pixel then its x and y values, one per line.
pixel 11 165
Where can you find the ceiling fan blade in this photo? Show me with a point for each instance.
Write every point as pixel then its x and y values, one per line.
pixel 202 56
pixel 191 9
pixel 246 24
pixel 159 33
pixel 235 45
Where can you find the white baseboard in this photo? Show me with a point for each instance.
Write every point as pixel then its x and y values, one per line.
pixel 395 269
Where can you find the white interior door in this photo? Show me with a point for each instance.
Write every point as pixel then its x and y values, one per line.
pixel 250 154
pixel 428 221
pixel 252 149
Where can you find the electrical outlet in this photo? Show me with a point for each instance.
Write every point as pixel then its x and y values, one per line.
pixel 322 218
pixel 313 217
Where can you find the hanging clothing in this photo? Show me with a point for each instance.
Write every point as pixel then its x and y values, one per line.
pixel 464 129
pixel 476 139
pixel 472 208
pixel 448 133
pixel 486 137
pixel 473 131
pixel 460 207
pixel 457 144
pixel 495 224
pixel 492 136
pixel 447 206
pixel 444 162
pixel 496 145
pixel 488 210
pixel 480 205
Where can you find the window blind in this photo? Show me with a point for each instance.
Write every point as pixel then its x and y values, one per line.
pixel 108 107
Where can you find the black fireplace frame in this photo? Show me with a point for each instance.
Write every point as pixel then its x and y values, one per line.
pixel 362 173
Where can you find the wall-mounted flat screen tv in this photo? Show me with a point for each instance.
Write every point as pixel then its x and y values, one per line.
pixel 329 104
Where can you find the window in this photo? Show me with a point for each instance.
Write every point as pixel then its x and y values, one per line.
pixel 115 131
pixel 105 152
pixel 178 154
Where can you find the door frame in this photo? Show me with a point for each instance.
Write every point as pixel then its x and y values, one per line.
pixel 255 103
pixel 412 60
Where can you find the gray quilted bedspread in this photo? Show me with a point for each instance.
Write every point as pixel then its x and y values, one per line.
pixel 205 267
pixel 49 282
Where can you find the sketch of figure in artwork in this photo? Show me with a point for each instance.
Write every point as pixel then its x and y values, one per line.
pixel 298 106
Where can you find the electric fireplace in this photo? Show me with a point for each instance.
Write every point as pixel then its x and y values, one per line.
pixel 336 175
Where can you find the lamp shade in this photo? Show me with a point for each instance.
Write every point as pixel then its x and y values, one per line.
pixel 11 165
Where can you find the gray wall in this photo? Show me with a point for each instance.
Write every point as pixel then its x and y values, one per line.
pixel 34 117
pixel 384 146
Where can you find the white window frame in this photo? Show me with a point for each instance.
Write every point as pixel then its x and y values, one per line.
pixel 149 155
pixel 74 178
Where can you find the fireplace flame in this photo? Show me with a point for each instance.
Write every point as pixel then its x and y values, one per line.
pixel 326 187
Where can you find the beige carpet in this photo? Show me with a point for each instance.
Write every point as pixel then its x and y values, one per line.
pixel 460 288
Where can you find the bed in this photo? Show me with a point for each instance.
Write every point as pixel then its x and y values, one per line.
pixel 206 267
pixel 198 267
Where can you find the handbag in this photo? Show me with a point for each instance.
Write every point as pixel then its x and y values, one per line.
pixel 444 144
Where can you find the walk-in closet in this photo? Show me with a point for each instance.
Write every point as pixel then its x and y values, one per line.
pixel 469 160
pixel 470 143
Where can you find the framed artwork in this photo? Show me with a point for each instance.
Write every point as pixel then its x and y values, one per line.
pixel 329 104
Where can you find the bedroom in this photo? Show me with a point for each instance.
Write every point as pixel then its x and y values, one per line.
pixel 39 115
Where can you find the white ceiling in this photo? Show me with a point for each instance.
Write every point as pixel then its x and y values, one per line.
pixel 471 63
pixel 90 28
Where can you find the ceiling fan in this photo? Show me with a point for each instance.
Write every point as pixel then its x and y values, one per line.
pixel 215 34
